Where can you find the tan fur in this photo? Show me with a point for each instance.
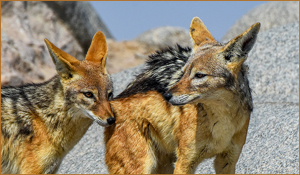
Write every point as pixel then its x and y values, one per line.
pixel 199 32
pixel 41 123
pixel 209 116
pixel 140 125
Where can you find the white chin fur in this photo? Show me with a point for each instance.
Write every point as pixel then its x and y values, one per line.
pixel 90 115
pixel 184 99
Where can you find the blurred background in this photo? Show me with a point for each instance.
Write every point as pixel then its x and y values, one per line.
pixel 133 29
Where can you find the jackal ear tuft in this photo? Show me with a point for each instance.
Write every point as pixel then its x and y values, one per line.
pixel 199 32
pixel 97 52
pixel 242 44
pixel 64 62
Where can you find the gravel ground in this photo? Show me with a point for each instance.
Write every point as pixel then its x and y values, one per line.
pixel 272 145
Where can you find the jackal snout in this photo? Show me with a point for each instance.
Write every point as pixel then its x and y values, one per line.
pixel 86 84
pixel 176 101
pixel 100 113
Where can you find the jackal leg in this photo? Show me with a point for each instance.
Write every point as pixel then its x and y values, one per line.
pixel 128 151
pixel 165 163
pixel 188 156
pixel 225 162
pixel 183 167
pixel 31 167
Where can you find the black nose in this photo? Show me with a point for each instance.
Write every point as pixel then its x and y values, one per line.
pixel 167 96
pixel 111 120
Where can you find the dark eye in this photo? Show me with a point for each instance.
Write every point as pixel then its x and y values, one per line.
pixel 200 75
pixel 110 96
pixel 88 94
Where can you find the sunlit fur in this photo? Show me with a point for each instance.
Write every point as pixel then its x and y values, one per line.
pixel 41 123
pixel 152 135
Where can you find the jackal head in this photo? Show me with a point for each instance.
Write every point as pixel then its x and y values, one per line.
pixel 213 68
pixel 86 84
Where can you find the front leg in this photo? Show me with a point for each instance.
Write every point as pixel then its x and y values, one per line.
pixel 128 150
pixel 186 164
pixel 183 166
pixel 165 163
pixel 187 152
pixel 191 150
pixel 225 162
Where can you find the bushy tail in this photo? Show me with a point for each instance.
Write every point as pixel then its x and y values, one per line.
pixel 163 70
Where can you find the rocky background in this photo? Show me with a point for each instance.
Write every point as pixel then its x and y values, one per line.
pixel 272 145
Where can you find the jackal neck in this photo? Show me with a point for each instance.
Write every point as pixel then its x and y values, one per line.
pixel 65 123
pixel 44 111
pixel 230 110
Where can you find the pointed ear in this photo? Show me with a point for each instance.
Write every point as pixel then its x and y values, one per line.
pixel 64 62
pixel 242 44
pixel 236 50
pixel 199 32
pixel 97 52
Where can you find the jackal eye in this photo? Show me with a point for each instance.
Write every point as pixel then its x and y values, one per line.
pixel 200 75
pixel 88 94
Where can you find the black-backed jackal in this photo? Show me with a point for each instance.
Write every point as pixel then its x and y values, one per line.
pixel 185 107
pixel 40 123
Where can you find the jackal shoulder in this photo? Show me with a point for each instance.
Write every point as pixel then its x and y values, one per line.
pixel 19 105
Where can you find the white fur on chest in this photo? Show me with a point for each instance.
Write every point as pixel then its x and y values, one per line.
pixel 223 123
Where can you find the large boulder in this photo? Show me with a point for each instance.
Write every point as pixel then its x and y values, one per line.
pixel 24 25
pixel 163 37
pixel 70 26
pixel 270 15
pixel 127 54
pixel 81 19
pixel 274 65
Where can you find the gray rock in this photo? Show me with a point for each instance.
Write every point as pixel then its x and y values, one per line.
pixel 163 37
pixel 81 19
pixel 274 65
pixel 25 25
pixel 270 15
pixel 272 144
pixel 15 68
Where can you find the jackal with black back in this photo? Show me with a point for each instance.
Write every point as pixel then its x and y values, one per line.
pixel 41 123
pixel 186 106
